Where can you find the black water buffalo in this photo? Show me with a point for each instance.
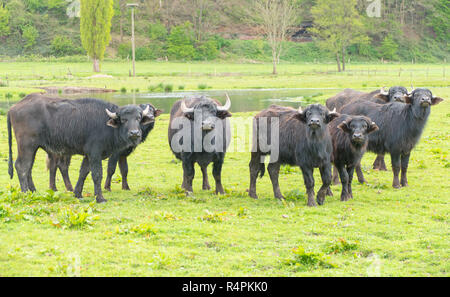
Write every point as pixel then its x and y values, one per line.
pixel 396 139
pixel 301 138
pixel 348 96
pixel 350 136
pixel 395 94
pixel 62 163
pixel 89 127
pixel 199 133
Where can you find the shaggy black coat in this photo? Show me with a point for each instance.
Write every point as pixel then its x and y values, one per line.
pixel 62 163
pixel 350 137
pixel 397 139
pixel 207 107
pixel 304 141
pixel 69 127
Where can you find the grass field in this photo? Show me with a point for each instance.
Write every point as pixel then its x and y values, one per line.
pixel 155 230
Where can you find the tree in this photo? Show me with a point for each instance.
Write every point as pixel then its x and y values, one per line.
pixel 275 17
pixel 4 21
pixel 180 43
pixel 337 25
pixel 95 28
pixel 29 34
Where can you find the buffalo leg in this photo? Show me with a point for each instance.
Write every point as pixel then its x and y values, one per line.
pixel 379 163
pixel 345 181
pixel 123 166
pixel 274 171
pixel 188 175
pixel 63 166
pixel 29 175
pixel 112 164
pixel 206 185
pixel 51 164
pixel 217 173
pixel 335 175
pixel 360 174
pixel 255 167
pixel 84 171
pixel 350 172
pixel 325 173
pixel 308 178
pixel 24 164
pixel 395 160
pixel 405 162
pixel 95 163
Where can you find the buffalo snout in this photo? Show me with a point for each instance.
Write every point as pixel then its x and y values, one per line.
pixel 134 134
pixel 314 123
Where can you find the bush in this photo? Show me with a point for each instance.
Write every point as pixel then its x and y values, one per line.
pixel 124 50
pixel 207 51
pixel 180 45
pixel 388 49
pixel 157 31
pixel 62 46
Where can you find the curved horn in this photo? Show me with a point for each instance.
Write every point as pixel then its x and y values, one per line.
pixel 185 109
pixel 146 111
pixel 227 105
pixel 412 89
pixel 334 111
pixel 383 91
pixel 300 111
pixel 112 115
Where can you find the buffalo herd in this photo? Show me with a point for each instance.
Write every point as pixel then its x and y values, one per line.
pixel 316 136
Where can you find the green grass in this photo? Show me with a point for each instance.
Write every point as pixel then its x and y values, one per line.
pixel 155 230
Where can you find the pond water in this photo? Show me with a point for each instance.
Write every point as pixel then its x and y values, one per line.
pixel 242 100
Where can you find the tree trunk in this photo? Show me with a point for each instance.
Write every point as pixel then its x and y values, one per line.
pixel 96 65
pixel 343 59
pixel 338 62
pixel 274 60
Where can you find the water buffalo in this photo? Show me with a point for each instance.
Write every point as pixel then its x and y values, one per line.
pixel 350 136
pixel 199 133
pixel 89 127
pixel 62 163
pixel 398 140
pixel 301 138
pixel 395 94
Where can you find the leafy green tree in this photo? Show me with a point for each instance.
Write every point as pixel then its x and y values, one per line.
pixel 29 34
pixel 4 20
pixel 180 43
pixel 388 49
pixel 95 28
pixel 157 31
pixel 337 25
pixel 62 46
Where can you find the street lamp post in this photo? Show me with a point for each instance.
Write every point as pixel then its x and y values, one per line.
pixel 133 45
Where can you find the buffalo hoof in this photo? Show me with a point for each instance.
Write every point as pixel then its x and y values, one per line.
pixel 280 197
pixel 206 188
pixel 405 184
pixel 253 195
pixel 78 195
pixel 220 192
pixel 101 200
pixel 312 204
pixel 126 188
pixel 362 181
pixel 69 189
pixel 108 189
pixel 396 186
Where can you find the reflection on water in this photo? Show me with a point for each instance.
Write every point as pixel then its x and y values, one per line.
pixel 242 100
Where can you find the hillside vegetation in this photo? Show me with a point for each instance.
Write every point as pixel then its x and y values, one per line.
pixel 407 30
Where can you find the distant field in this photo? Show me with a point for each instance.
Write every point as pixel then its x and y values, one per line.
pixel 23 77
pixel 155 230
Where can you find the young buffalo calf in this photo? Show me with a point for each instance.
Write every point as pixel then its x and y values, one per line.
pixel 293 137
pixel 350 138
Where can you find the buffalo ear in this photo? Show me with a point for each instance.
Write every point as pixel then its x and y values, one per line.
pixel 113 123
pixel 408 99
pixel 189 115
pixel 383 97
pixel 372 127
pixel 331 116
pixel 158 112
pixel 301 117
pixel 223 114
pixel 436 100
pixel 344 127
